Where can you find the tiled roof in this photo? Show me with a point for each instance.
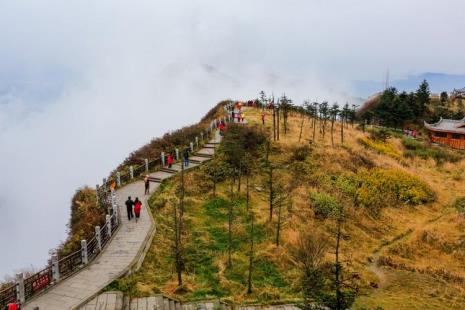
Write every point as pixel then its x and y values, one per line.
pixel 448 125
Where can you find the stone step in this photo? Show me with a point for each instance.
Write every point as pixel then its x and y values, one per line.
pixel 156 180
pixel 168 170
pixel 204 155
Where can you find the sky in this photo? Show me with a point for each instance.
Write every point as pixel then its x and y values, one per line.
pixel 84 83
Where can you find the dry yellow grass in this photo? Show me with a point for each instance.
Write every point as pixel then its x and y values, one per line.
pixel 424 244
pixel 429 238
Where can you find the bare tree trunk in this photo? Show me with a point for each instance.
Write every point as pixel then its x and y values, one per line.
pixel 332 132
pixel 274 123
pixel 247 190
pixel 177 245
pixel 277 124
pixel 230 220
pixel 239 178
pixel 314 128
pixel 301 127
pixel 270 175
pixel 279 222
pixel 338 268
pixel 342 130
pixel 324 127
pixel 249 281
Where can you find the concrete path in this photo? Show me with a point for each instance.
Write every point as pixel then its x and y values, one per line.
pixel 125 250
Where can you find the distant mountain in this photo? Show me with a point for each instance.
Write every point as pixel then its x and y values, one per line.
pixel 438 82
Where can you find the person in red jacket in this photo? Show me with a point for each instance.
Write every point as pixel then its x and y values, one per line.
pixel 222 127
pixel 13 306
pixel 137 208
pixel 170 160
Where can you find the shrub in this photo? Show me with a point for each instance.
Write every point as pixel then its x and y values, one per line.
pixel 389 187
pixel 414 148
pixel 380 134
pixel 459 204
pixel 169 141
pixel 300 153
pixel 380 146
pixel 324 205
pixel 85 215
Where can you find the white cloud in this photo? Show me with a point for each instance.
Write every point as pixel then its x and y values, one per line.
pixel 83 83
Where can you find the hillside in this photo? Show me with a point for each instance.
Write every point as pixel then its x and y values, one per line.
pixel 402 240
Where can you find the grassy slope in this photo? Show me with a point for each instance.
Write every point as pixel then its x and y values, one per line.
pixel 427 238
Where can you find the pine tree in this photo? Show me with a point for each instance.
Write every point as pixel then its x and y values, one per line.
pixel 423 98
pixel 333 112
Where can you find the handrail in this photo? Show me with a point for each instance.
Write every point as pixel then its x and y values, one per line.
pixel 8 295
pixel 68 265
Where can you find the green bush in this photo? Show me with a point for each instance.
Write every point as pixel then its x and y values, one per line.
pixel 414 148
pixel 459 204
pixel 383 147
pixel 300 153
pixel 380 188
pixel 324 205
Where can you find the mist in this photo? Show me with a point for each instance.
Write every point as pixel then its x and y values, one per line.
pixel 82 84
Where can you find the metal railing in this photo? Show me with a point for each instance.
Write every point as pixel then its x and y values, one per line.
pixel 26 288
pixel 37 282
pixel 8 295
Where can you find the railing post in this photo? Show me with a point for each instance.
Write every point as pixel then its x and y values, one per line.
pixel 108 219
pixel 131 172
pixel 98 237
pixel 162 157
pixel 146 165
pixel 118 179
pixel 177 154
pixel 116 215
pixel 104 184
pixel 197 142
pixel 20 296
pixel 55 269
pixel 84 257
pixel 192 146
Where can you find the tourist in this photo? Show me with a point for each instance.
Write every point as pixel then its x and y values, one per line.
pixel 170 160
pixel 186 157
pixel 137 208
pixel 263 118
pixel 222 127
pixel 13 306
pixel 129 205
pixel 112 186
pixel 147 184
pixel 414 133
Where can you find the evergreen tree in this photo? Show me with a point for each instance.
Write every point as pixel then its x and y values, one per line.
pixel 423 98
pixel 333 112
pixel 444 97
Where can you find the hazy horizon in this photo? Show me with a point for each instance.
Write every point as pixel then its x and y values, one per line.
pixel 82 84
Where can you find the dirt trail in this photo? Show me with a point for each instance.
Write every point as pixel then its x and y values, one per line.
pixel 380 272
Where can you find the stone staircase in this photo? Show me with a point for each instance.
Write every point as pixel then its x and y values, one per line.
pixel 116 301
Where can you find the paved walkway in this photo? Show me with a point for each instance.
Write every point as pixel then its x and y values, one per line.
pixel 118 257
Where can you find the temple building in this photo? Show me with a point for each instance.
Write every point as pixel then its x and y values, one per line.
pixel 448 132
